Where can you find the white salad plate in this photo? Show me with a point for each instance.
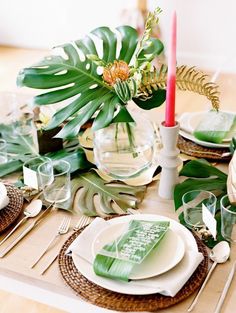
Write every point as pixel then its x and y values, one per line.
pixel 176 229
pixel 168 254
pixel 189 121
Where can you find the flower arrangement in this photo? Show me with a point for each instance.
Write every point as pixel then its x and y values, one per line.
pixel 100 85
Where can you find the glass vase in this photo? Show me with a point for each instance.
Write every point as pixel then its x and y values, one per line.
pixel 124 150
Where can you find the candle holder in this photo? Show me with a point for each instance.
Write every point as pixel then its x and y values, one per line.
pixel 169 161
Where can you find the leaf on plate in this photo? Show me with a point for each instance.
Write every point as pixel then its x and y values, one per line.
pixel 112 197
pixel 117 259
pixel 214 126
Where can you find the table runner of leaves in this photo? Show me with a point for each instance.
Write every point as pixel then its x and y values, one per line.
pixel 114 197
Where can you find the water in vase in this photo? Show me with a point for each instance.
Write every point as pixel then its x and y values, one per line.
pixel 123 156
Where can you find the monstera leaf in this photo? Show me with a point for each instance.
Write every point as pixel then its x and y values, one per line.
pixel 87 186
pixel 201 175
pixel 75 76
pixel 18 156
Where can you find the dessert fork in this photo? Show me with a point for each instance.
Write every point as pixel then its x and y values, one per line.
pixel 62 229
pixel 83 221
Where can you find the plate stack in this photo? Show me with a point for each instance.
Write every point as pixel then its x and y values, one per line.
pixel 192 146
pixel 167 276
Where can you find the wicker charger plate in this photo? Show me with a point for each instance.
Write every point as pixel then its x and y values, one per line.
pixel 11 212
pixel 191 148
pixel 121 302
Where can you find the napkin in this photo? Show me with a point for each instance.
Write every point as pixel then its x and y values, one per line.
pixel 4 200
pixel 231 180
pixel 167 284
pixel 184 123
pixel 214 126
pixel 209 126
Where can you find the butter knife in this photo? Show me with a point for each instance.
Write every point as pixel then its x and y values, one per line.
pixel 37 221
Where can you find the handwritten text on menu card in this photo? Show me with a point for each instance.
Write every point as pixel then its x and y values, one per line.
pixel 139 240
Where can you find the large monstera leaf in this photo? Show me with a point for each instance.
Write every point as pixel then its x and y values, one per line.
pixel 76 77
pixel 89 185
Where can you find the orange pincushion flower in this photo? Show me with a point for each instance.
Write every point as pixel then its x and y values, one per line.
pixel 114 71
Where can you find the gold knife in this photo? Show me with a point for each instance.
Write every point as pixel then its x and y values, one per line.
pixel 49 264
pixel 27 230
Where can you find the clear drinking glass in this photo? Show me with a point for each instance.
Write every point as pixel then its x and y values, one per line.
pixel 55 180
pixel 3 151
pixel 192 205
pixel 30 171
pixel 18 122
pixel 228 219
pixel 124 150
pixel 24 129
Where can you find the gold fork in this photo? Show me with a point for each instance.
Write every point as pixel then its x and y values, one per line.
pixel 83 221
pixel 62 229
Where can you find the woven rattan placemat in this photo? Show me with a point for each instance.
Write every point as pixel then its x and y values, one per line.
pixel 10 213
pixel 191 148
pixel 121 302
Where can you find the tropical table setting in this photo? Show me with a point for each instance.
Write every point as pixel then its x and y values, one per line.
pixel 117 190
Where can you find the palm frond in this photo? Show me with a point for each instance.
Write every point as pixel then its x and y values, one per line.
pixel 187 78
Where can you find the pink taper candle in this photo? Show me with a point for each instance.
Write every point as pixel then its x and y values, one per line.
pixel 171 77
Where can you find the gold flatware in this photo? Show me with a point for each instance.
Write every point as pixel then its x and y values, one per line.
pixel 62 229
pixel 226 288
pixel 56 255
pixel 83 221
pixel 37 221
pixel 32 210
pixel 49 264
pixel 219 254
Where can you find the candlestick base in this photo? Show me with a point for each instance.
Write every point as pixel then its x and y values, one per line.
pixel 169 161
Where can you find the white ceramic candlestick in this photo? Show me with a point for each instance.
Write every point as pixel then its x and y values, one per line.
pixel 169 161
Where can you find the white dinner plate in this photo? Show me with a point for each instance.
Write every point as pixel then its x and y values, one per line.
pixel 86 269
pixel 189 121
pixel 169 253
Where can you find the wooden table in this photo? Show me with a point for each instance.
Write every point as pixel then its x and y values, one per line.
pixel 15 275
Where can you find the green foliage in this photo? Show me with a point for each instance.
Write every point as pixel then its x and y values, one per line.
pixel 76 158
pixel 187 78
pixel 10 167
pixel 116 268
pixel 202 176
pixel 75 76
pixel 233 145
pixel 90 185
pixel 141 57
pixel 158 97
pixel 126 90
pixel 201 169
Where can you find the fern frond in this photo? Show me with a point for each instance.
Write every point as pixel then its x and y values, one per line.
pixel 187 78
